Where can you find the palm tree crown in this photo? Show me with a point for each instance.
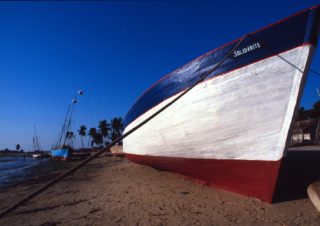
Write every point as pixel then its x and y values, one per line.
pixel 117 128
pixel 82 132
pixel 104 129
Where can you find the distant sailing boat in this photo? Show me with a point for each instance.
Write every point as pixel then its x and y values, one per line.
pixel 35 140
pixel 63 147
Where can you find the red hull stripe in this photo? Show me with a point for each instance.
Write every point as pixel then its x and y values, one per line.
pixel 60 158
pixel 247 177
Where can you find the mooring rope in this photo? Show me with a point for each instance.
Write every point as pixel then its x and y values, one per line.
pixel 282 58
pixel 84 162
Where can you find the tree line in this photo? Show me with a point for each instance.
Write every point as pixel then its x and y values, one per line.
pixel 104 134
pixel 312 113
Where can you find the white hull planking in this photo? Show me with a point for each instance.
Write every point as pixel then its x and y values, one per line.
pixel 244 114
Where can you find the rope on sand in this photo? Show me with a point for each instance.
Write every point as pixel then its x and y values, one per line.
pixel 84 162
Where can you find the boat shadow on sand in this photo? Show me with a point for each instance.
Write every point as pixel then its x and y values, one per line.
pixel 298 169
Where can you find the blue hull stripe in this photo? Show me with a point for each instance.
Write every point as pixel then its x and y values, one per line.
pixel 282 36
pixel 60 153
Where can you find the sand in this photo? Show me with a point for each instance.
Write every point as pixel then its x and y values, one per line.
pixel 114 191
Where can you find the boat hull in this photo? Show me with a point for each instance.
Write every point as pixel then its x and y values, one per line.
pixel 251 178
pixel 231 130
pixel 36 155
pixel 243 115
pixel 60 154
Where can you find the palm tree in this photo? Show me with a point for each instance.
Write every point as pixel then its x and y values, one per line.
pixel 82 132
pixel 117 128
pixel 18 146
pixel 92 134
pixel 69 137
pixel 98 139
pixel 104 129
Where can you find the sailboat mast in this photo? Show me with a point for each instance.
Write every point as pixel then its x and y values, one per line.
pixel 62 132
pixel 34 143
pixel 36 139
pixel 68 123
pixel 66 129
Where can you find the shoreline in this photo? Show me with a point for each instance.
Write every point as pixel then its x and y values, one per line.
pixel 114 191
pixel 35 171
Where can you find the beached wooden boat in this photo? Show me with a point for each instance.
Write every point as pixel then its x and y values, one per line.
pixel 62 149
pixel 231 130
pixel 61 153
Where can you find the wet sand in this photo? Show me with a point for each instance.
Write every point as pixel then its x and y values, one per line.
pixel 114 191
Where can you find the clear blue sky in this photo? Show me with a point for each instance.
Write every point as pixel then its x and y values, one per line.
pixel 113 51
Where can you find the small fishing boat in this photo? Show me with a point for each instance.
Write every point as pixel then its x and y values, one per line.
pixel 37 150
pixel 63 146
pixel 234 107
pixel 36 155
pixel 61 152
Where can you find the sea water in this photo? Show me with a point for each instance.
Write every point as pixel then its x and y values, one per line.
pixel 14 169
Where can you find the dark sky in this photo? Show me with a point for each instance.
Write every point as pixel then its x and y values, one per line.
pixel 113 51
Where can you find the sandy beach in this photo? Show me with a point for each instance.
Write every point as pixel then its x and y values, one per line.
pixel 114 191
